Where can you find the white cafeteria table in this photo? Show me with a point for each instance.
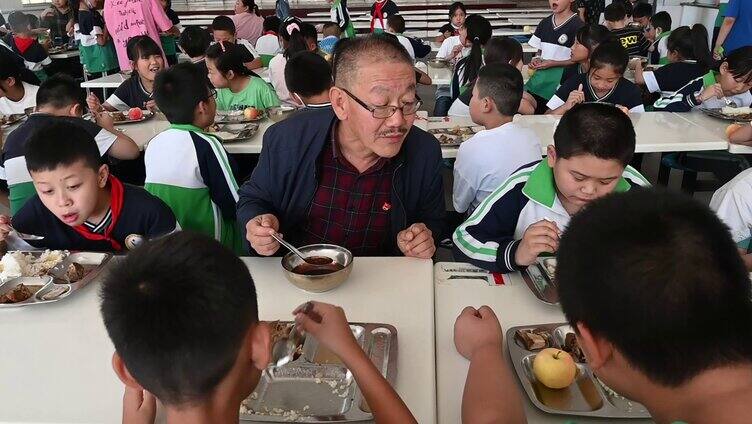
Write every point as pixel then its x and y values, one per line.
pixel 56 358
pixel 526 48
pixel 515 305
pixel 65 55
pixel 114 80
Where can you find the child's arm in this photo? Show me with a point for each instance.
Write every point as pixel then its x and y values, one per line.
pixel 333 331
pixel 574 97
pixel 528 104
pixel 217 171
pixel 254 64
pixel 123 147
pixel 728 23
pixel 95 106
pixel 742 135
pixel 423 78
pixel 491 394
pixel 638 77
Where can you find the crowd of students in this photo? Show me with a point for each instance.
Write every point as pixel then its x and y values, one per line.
pixel 350 169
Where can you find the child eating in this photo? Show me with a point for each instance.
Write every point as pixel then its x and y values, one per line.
pixel 79 205
pixel 15 95
pixel 631 37
pixel 331 33
pixel 657 33
pixel 604 83
pixel 268 44
pixel 309 77
pixel 223 30
pixel 457 14
pixel 525 216
pixel 587 39
pixel 237 87
pixel 23 42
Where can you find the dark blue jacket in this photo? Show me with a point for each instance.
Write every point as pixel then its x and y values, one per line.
pixel 285 181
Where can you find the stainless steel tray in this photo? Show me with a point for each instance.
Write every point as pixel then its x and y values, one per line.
pixel 231 133
pixel 316 387
pixel 447 137
pixel 541 282
pixel 717 113
pixel 587 396
pixel 55 285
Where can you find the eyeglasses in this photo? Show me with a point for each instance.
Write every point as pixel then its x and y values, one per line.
pixel 212 94
pixel 383 112
pixel 647 28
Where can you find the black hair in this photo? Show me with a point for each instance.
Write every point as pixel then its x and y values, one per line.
pixel 194 41
pixel 61 143
pixel 141 47
pixel 59 91
pixel 610 53
pixel 9 67
pixel 34 20
pixel 479 31
pixel 657 274
pixel 628 8
pixel 223 23
pixel 614 12
pixel 503 50
pixel 453 8
pixel 592 35
pixel 272 23
pixel 177 310
pixel 501 82
pixel 642 10
pixel 691 44
pixel 349 51
pixel 250 4
pixel 291 31
pixel 740 63
pixel 595 129
pixel 19 21
pixel 661 20
pixel 308 74
pixel 228 57
pixel 396 23
pixel 178 90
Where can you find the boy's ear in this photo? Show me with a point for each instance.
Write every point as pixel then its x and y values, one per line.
pixel 76 109
pixel 122 372
pixel 261 345
pixel 724 67
pixel 597 350
pixel 551 155
pixel 103 174
pixel 488 105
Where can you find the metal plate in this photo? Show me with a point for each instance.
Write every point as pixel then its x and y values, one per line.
pixel 147 115
pixel 540 283
pixel 716 113
pixel 587 396
pixel 225 117
pixel 8 120
pixel 452 137
pixel 231 133
pixel 317 387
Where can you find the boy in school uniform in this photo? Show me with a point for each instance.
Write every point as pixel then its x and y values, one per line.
pixel 223 29
pixel 157 351
pixel 395 25
pixel 331 33
pixel 525 216
pixel 657 33
pixel 641 14
pixel 79 205
pixel 15 95
pixel 631 37
pixel 268 43
pixel 309 77
pixel 194 41
pixel 186 167
pixel 59 99
pixel 658 299
pixel 491 156
pixel 23 42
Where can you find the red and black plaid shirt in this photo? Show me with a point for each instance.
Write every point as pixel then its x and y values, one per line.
pixel 350 209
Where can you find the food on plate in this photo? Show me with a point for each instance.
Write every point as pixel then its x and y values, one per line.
pixel 55 292
pixel 118 116
pixel 572 347
pixel 534 339
pixel 554 368
pixel 19 264
pixel 135 114
pixel 75 272
pixel 550 266
pixel 735 111
pixel 18 294
pixel 251 113
pixel 452 135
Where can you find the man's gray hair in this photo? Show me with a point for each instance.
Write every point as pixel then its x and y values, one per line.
pixel 375 47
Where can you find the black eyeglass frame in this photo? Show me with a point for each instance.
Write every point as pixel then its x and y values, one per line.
pixel 389 110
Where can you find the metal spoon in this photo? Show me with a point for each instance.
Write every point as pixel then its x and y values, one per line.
pixel 27 237
pixel 297 252
pixel 729 103
pixel 284 349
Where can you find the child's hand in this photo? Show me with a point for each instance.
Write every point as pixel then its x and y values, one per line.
pixel 575 97
pixel 456 50
pixel 104 120
pixel 328 324
pixel 635 63
pixel 259 232
pixel 541 237
pixel 623 109
pixel 151 105
pixel 5 227
pixel 93 103
pixel 477 329
pixel 139 406
pixel 712 91
pixel 535 62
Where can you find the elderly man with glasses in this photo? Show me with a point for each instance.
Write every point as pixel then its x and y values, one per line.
pixel 358 175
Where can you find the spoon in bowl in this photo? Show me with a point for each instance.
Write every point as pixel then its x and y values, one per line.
pixel 315 261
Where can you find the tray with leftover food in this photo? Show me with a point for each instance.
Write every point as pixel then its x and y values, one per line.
pixel 239 116
pixel 539 278
pixel 8 120
pixel 316 386
pixel 230 133
pixel 130 117
pixel 586 396
pixel 452 136
pixel 38 277
pixel 739 114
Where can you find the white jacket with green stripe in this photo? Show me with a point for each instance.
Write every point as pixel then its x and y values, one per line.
pixel 490 236
pixel 191 172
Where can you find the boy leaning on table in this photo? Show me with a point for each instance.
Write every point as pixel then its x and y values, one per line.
pixel 524 217
pixel 79 205
pixel 659 300
pixel 182 313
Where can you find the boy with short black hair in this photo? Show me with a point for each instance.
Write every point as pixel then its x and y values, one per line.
pixel 194 41
pixel 157 351
pixel 59 99
pixel 417 48
pixel 641 14
pixel 309 77
pixel 637 319
pixel 223 29
pixel 488 158
pixel 16 95
pixel 524 217
pixel 23 42
pixel 331 33
pixel 268 43
pixel 657 34
pixel 632 38
pixel 188 168
pixel 79 205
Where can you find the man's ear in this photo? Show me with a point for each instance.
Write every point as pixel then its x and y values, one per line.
pixel 551 155
pixel 597 350
pixel 339 102
pixel 260 338
pixel 122 372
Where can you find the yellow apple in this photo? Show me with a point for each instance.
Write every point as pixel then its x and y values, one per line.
pixel 554 368
pixel 251 113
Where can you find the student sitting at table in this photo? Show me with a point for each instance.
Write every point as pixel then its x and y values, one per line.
pixel 637 319
pixel 309 77
pixel 296 36
pixel 498 50
pixel 452 49
pixel 59 99
pixel 657 33
pixel 733 204
pixel 194 41
pixel 689 57
pixel 223 29
pixel 95 45
pixel 59 18
pixel 79 205
pixel 331 33
pixel 587 39
pixel 268 43
pixel 166 292
pixel 237 86
pixel 477 31
pixel 417 48
pixel 24 43
pixel 188 168
pixel 631 37
pixel 488 158
pixel 457 14
pixel 137 91
pixel 603 83
pixel 15 95
pixel 641 14
pixel 524 217
pixel 729 82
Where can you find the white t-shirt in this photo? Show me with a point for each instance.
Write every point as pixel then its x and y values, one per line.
pixel 459 109
pixel 733 204
pixel 486 160
pixel 407 45
pixel 29 99
pixel 268 44
pixel 277 78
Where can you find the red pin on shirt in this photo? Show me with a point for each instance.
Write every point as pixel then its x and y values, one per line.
pixel 386 206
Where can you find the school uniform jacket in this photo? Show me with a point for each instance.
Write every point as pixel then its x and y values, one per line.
pixel 490 236
pixel 686 98
pixel 34 55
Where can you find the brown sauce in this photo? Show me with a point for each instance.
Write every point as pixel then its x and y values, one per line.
pixel 318 260
pixel 308 269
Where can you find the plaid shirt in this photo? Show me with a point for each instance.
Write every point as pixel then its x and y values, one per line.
pixel 350 209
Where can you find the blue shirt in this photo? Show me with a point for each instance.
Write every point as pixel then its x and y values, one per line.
pixel 741 32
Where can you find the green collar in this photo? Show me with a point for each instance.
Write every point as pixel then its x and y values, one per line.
pixel 710 78
pixel 663 34
pixel 187 127
pixel 541 187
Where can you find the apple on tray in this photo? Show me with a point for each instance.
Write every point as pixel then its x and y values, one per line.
pixel 251 113
pixel 134 114
pixel 554 368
